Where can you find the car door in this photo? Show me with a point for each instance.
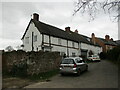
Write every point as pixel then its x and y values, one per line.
pixel 84 65
pixel 80 64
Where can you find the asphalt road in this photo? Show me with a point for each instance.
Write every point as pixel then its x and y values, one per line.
pixel 102 74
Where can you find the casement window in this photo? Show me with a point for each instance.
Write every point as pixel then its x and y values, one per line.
pixel 73 44
pixel 35 38
pixel 27 40
pixel 59 41
pixel 73 54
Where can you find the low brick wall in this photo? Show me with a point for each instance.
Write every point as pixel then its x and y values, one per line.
pixel 30 62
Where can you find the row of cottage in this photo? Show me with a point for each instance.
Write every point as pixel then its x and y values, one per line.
pixel 41 36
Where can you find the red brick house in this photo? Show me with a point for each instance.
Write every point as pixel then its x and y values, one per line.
pixel 106 44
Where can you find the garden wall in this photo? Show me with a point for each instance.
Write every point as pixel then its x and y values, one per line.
pixel 30 63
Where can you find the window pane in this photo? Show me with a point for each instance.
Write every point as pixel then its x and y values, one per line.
pixel 27 40
pixel 35 38
pixel 67 61
pixel 59 41
pixel 73 44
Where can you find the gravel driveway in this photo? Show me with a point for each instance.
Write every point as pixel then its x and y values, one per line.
pixel 102 74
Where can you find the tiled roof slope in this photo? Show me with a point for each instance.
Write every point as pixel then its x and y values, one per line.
pixel 108 42
pixel 118 42
pixel 56 32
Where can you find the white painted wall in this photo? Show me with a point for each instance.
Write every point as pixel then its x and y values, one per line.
pixel 37 44
pixel 63 48
pixel 54 42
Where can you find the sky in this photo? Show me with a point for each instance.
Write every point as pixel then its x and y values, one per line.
pixel 15 16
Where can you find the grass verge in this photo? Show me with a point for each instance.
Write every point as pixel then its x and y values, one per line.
pixel 44 75
pixel 10 81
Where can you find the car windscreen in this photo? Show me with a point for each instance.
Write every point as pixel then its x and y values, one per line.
pixel 79 60
pixel 67 61
pixel 95 56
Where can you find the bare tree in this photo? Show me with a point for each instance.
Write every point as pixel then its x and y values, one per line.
pixel 94 6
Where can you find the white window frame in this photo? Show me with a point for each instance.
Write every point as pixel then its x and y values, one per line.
pixel 27 40
pixel 73 44
pixel 35 38
pixel 59 41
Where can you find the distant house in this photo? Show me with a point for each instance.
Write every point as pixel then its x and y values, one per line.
pixel 106 44
pixel 117 42
pixel 88 46
pixel 42 36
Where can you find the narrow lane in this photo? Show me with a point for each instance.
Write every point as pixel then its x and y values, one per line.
pixel 102 74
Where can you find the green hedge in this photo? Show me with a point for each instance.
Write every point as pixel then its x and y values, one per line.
pixel 114 54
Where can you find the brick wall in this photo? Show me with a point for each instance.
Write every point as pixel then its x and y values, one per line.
pixel 33 62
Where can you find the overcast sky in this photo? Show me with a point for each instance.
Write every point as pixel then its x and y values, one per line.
pixel 16 16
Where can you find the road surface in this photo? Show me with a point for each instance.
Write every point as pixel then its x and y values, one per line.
pixel 102 74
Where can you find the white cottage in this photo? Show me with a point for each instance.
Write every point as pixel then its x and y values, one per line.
pixel 41 36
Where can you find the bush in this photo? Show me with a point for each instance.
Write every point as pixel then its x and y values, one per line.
pixel 114 54
pixel 102 55
pixel 19 69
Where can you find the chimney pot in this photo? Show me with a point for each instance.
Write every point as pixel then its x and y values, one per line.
pixel 36 16
pixel 93 35
pixel 107 37
pixel 111 39
pixel 67 29
pixel 93 38
pixel 76 31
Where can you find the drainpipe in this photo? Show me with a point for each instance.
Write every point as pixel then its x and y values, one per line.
pixel 32 41
pixel 67 49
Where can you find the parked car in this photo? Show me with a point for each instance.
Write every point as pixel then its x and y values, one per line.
pixel 74 65
pixel 94 58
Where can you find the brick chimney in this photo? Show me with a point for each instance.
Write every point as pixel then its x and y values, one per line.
pixel 76 31
pixel 36 16
pixel 107 37
pixel 67 29
pixel 111 39
pixel 93 38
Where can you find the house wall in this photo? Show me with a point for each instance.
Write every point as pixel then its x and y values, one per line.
pixel 97 41
pixel 94 49
pixel 109 47
pixel 37 44
pixel 62 47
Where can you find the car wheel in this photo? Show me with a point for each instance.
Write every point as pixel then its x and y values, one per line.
pixel 62 74
pixel 86 68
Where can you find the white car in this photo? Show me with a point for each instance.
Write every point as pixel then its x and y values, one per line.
pixel 94 58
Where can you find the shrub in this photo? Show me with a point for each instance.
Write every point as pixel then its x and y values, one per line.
pixel 102 55
pixel 19 69
pixel 114 55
